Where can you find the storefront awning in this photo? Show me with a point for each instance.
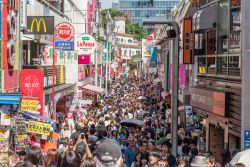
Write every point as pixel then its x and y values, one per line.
pixel 10 99
pixel 61 88
pixel 93 88
pixel 206 18
pixel 36 117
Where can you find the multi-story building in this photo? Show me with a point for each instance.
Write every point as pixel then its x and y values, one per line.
pixel 137 9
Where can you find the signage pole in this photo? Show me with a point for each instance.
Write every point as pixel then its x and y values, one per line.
pixel 53 78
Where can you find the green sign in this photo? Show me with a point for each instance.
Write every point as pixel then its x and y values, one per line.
pixel 85 38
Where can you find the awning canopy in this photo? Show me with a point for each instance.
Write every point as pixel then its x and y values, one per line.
pixel 10 99
pixel 93 88
pixel 36 117
pixel 206 18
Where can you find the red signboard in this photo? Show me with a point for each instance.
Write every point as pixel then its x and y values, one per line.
pixel 9 44
pixel 84 59
pixel 32 85
pixel 65 31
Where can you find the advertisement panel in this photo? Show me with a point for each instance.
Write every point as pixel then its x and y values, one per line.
pixel 39 128
pixel 182 76
pixel 188 57
pixel 32 85
pixel 29 105
pixel 9 44
pixel 84 59
pixel 154 57
pixel 0 20
pixel 40 25
pixel 85 44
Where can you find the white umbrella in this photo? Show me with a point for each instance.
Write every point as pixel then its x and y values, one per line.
pixel 242 157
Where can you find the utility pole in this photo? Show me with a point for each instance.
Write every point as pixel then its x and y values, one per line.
pixel 245 105
pixel 175 76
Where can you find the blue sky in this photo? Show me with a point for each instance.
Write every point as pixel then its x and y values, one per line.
pixel 107 3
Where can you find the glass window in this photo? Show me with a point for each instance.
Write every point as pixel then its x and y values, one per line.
pixel 222 65
pixel 234 66
pixel 202 65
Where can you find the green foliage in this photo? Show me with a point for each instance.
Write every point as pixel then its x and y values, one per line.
pixel 133 61
pixel 136 30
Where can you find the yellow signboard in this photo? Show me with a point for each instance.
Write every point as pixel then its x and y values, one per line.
pixel 39 127
pixel 29 105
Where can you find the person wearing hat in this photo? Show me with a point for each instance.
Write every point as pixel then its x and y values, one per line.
pixel 123 143
pixel 108 154
pixel 199 161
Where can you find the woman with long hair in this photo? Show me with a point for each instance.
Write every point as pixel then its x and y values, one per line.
pixel 71 159
pixel 34 155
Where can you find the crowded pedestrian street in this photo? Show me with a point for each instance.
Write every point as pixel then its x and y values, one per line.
pixel 128 127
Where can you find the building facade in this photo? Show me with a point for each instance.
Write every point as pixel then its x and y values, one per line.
pixel 137 9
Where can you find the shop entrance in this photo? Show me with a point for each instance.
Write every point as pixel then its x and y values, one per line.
pixel 216 141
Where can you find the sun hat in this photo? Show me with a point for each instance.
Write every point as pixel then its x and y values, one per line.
pixel 199 161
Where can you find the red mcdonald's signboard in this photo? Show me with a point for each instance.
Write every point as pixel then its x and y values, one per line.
pixel 32 85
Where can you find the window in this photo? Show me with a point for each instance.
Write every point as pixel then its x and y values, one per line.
pixel 130 41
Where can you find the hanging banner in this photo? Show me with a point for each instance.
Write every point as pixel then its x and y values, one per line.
pixel 85 44
pixel 189 117
pixel 1 3
pixel 84 59
pixel 29 105
pixel 39 128
pixel 32 85
pixel 153 60
pixel 188 57
pixel 182 76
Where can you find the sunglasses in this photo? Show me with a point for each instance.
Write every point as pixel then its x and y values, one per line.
pixel 131 140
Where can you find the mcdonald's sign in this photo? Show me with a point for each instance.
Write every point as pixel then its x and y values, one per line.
pixel 40 25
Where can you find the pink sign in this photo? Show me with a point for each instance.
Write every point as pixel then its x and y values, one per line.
pixel 182 76
pixel 84 59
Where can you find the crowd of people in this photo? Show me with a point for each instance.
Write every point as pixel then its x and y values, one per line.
pixel 96 137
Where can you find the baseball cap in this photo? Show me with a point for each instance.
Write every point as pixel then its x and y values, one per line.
pixel 108 151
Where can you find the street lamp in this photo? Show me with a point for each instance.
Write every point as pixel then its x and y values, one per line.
pixel 175 76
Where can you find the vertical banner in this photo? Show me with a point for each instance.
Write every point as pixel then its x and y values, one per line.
pixel 9 44
pixel 153 60
pixel 1 3
pixel 188 57
pixel 32 84
pixel 182 76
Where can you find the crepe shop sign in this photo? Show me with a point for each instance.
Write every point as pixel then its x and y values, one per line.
pixel 85 44
pixel 65 31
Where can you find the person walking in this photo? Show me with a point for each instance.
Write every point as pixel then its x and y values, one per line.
pixel 130 152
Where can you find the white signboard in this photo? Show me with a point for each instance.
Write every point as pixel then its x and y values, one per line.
pixel 85 44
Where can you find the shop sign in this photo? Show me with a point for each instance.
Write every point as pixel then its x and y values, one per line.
pixel 65 31
pixel 40 25
pixel 29 105
pixel 85 44
pixel 209 101
pixel 20 124
pixel 5 119
pixel 188 57
pixel 39 128
pixel 247 139
pixel 189 117
pixel 64 45
pixel 32 85
pixel 84 59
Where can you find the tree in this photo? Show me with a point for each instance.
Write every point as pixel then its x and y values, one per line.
pixel 136 30
pixel 133 61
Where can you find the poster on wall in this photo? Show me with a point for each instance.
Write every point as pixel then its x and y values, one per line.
pixel 9 45
pixel 32 84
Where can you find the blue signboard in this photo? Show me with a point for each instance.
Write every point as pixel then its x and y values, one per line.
pixel 153 60
pixel 64 45
pixel 247 139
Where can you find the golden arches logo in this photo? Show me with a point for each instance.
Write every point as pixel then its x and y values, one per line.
pixel 38 25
